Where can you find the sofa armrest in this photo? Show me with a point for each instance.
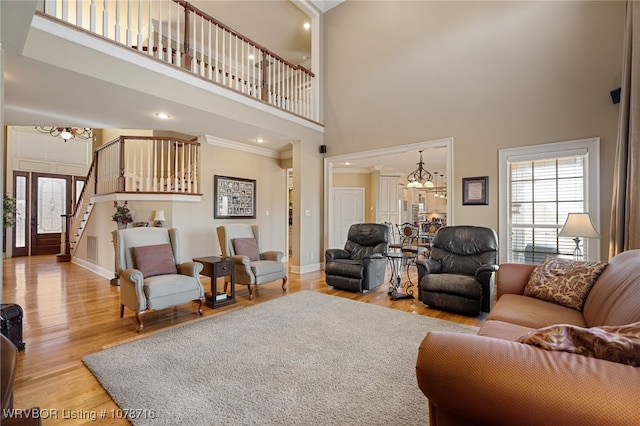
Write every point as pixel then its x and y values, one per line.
pixel 191 269
pixel 513 277
pixel 274 255
pixel 333 254
pixel 503 382
pixel 131 292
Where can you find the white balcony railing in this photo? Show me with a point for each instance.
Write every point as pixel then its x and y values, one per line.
pixel 179 34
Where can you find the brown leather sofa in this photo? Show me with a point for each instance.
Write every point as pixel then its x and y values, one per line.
pixel 9 364
pixel 489 379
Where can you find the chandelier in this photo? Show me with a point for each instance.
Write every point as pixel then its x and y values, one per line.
pixel 67 133
pixel 420 178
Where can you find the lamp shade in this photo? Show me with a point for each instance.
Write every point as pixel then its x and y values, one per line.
pixel 578 225
pixel 159 215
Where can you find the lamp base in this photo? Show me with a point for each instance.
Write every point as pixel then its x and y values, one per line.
pixel 577 253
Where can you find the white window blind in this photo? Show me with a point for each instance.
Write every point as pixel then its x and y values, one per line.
pixel 542 193
pixel 543 185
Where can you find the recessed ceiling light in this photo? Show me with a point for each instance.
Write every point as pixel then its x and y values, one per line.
pixel 307 25
pixel 346 163
pixel 260 140
pixel 162 115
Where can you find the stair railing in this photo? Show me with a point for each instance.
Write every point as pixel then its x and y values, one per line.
pixel 176 32
pixel 136 164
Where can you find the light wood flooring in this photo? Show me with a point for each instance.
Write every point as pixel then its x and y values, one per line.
pixel 70 312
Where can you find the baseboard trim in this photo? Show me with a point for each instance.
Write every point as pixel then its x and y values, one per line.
pixel 304 269
pixel 103 272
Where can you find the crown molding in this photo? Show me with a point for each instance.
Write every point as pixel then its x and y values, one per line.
pixel 325 5
pixel 238 146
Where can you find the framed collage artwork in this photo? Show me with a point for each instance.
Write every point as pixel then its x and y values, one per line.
pixel 234 198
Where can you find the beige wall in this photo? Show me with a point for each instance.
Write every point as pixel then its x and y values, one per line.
pixel 194 218
pixel 491 75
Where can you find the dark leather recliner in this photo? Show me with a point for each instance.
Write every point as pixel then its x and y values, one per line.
pixel 361 265
pixel 459 275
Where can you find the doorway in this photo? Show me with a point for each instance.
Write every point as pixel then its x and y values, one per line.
pixel 41 200
pixel 438 155
pixel 348 208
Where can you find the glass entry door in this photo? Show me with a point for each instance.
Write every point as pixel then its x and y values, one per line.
pixel 51 195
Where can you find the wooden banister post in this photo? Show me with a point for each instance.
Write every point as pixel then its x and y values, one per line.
pixel 121 179
pixel 186 45
pixel 65 256
pixel 264 95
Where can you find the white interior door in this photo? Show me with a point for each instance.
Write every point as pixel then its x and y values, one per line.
pixel 348 208
pixel 388 196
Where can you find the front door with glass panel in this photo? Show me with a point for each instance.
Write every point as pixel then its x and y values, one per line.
pixel 49 201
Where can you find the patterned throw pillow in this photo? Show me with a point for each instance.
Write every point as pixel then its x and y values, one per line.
pixel 154 260
pixel 612 343
pixel 563 281
pixel 246 247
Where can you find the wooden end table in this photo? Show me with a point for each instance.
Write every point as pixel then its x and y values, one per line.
pixel 216 267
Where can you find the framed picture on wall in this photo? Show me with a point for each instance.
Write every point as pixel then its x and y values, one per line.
pixel 475 191
pixel 234 198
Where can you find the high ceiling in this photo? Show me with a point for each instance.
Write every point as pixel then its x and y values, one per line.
pixel 39 93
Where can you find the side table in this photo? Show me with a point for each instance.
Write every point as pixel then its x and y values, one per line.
pixel 398 290
pixel 217 267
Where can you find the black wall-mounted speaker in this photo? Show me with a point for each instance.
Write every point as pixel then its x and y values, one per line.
pixel 615 95
pixel 323 149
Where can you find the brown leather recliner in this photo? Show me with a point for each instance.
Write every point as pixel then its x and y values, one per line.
pixel 361 265
pixel 459 275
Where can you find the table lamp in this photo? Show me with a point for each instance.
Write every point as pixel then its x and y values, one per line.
pixel 158 218
pixel 578 225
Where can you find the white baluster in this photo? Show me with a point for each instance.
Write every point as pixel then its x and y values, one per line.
pixel 154 149
pixel 202 49
pixel 210 67
pixel 50 8
pixel 65 10
pixel 178 46
pixel 117 27
pixel 216 52
pixel 105 18
pixel 79 13
pixel 224 59
pixel 92 13
pixel 129 23
pixel 148 148
pixel 236 62
pixel 169 40
pixel 160 54
pixel 140 25
pixel 194 43
pixel 150 31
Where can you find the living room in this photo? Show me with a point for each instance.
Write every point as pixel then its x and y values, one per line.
pixel 489 75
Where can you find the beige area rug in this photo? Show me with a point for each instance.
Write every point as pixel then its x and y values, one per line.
pixel 303 359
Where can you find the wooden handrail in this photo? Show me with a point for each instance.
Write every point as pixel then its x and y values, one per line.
pixel 247 40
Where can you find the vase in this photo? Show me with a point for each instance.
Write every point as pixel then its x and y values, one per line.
pixel 122 225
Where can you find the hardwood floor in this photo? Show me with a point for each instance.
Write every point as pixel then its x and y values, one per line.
pixel 70 312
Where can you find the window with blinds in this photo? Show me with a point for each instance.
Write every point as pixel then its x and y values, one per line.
pixel 544 184
pixel 542 193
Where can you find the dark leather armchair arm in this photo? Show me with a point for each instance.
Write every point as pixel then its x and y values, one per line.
pixel 428 266
pixel 333 254
pixel 485 275
pixel 373 256
pixel 485 272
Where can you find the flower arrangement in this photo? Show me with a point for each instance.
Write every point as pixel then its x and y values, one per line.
pixel 122 214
